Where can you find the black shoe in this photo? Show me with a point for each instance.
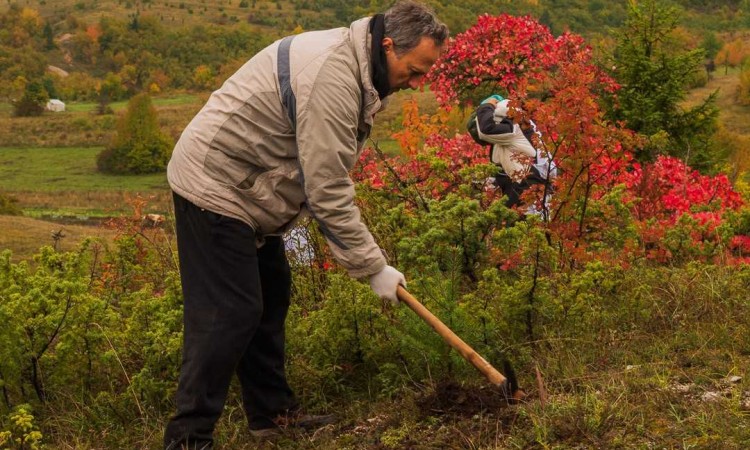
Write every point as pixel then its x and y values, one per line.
pixel 306 421
pixel 265 427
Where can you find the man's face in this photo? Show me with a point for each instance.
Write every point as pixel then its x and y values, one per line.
pixel 408 70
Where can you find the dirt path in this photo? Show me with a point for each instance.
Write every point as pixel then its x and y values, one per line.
pixel 735 117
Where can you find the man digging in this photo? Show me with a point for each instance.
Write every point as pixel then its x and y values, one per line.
pixel 275 142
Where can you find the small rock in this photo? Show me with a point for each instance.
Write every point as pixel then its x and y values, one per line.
pixel 711 396
pixel 734 379
pixel 681 388
pixel 746 401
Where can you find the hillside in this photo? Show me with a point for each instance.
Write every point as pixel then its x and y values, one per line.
pixel 733 116
pixel 580 16
pixel 165 45
pixel 267 15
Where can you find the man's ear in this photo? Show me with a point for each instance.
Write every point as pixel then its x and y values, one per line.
pixel 387 44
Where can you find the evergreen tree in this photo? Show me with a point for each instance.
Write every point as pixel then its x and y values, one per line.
pixel 49 85
pixel 49 36
pixel 546 19
pixel 138 146
pixel 654 80
pixel 711 44
pixel 32 103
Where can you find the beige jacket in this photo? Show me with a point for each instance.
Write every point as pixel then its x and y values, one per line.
pixel 242 156
pixel 513 152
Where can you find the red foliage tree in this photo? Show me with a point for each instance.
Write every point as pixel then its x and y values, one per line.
pixel 555 82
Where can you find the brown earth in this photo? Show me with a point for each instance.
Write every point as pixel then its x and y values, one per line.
pixel 26 235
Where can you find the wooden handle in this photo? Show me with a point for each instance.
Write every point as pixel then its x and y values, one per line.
pixel 451 338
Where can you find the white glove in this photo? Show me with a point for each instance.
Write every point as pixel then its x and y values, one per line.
pixel 385 283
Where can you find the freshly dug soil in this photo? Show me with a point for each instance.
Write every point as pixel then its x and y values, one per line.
pixel 451 398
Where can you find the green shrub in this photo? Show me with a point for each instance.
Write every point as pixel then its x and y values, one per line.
pixel 698 78
pixel 139 146
pixel 33 102
pixel 8 206
pixel 21 433
pixel 106 320
pixel 82 124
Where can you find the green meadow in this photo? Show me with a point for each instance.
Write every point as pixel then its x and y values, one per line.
pixel 67 169
pixel 181 99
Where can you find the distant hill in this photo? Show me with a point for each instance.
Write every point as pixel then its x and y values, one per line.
pixel 581 16
pixel 177 13
pixel 129 46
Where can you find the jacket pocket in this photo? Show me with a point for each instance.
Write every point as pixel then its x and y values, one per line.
pixel 276 197
pixel 251 177
pixel 228 169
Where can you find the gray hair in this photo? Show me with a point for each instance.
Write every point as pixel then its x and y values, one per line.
pixel 407 22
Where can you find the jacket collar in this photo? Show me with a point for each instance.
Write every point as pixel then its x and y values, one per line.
pixel 361 38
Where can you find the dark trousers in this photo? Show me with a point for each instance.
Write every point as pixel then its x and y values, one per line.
pixel 236 297
pixel 513 189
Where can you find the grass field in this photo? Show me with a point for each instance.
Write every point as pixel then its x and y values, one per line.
pixel 66 169
pixel 62 185
pixel 733 116
pixel 80 126
pixel 182 99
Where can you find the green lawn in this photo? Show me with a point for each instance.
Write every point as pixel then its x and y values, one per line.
pixel 182 99
pixel 66 169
